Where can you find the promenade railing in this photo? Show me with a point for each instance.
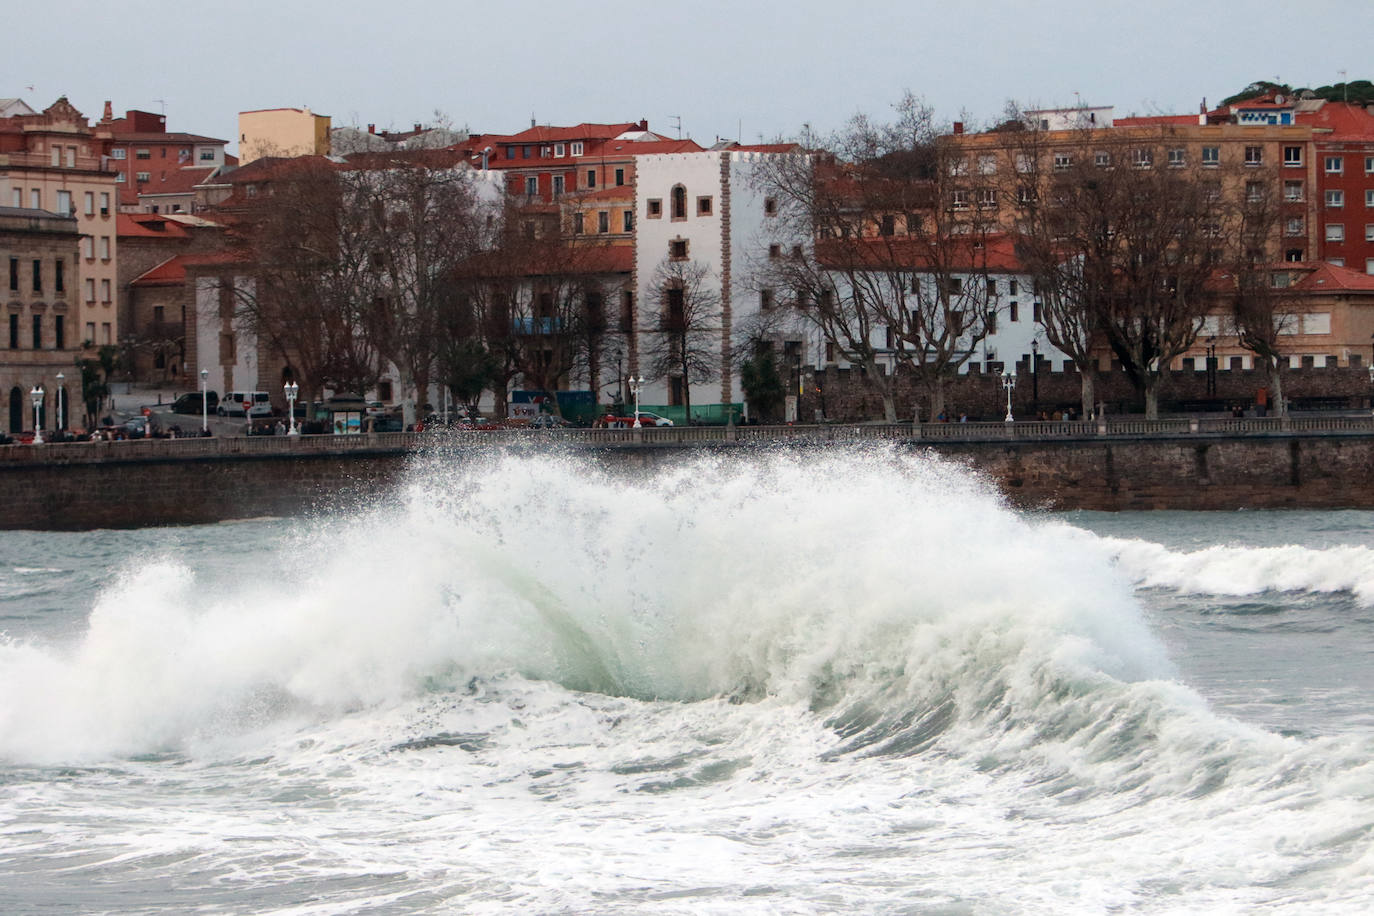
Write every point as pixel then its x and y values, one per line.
pixel 1021 431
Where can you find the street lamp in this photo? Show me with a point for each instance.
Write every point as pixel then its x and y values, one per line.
pixel 61 378
pixel 204 403
pixel 1009 382
pixel 619 379
pixel 1371 382
pixel 291 389
pixel 635 384
pixel 1035 375
pixel 36 395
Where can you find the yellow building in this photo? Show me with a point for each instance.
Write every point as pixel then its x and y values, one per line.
pixel 282 132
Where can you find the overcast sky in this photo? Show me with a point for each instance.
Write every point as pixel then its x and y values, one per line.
pixel 727 68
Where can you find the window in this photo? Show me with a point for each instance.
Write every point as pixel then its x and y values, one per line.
pixel 577 223
pixel 1143 158
pixel 525 151
pixel 591 178
pixel 1063 161
pixel 105 291
pixel 603 221
pixel 14 331
pixel 1211 156
pixel 677 249
pixel 887 225
pixel 59 276
pixel 627 311
pixel 770 206
pixel 56 156
pixel 1369 232
pixel 37 275
pixel 1024 164
pixel 558 186
pixel 38 332
pixel 1292 155
pixel 104 203
pixel 775 251
pixel 1102 159
pixel 987 198
pixel 59 332
pixel 959 200
pixel 107 337
pixel 18 197
pixel 1013 313
pixel 1335 199
pixel 1335 165
pixel 958 167
pixel 1254 155
pixel 143 177
pixel 159 314
pixel 987 165
pixel 1293 226
pixel 104 248
pixel 1335 232
pixel 704 205
pixel 1177 159
pixel 142 154
pixel 1011 287
pixel 532 186
pixel 206 153
pixel 1025 196
pixel 619 178
pixel 1369 198
pixel 36 198
pixel 119 152
pixel 1292 191
pixel 558 150
pixel 1369 165
pixel 1336 262
pixel 1254 192
pixel 679 202
pixel 654 209
pixel 90 295
pixel 576 148
pixel 627 221
pixel 766 299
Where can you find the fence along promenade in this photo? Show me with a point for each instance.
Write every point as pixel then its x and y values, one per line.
pixel 1028 431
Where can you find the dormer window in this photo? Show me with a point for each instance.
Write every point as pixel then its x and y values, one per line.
pixel 576 148
pixel 558 150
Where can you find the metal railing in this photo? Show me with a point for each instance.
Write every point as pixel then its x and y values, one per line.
pixel 1035 431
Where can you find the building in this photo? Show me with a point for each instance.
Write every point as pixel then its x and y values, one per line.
pixel 40 251
pixel 54 161
pixel 282 132
pixel 159 171
pixel 1343 157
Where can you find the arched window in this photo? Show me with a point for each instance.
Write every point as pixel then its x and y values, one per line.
pixel 16 410
pixel 679 202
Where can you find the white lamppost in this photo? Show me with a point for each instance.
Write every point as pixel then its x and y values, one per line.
pixel 292 389
pixel 1009 382
pixel 36 395
pixel 1371 381
pixel 204 403
pixel 635 384
pixel 57 423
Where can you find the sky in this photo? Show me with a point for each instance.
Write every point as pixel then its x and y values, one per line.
pixel 706 68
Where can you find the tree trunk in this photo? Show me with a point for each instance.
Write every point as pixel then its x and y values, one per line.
pixel 1276 384
pixel 1152 399
pixel 937 397
pixel 1086 382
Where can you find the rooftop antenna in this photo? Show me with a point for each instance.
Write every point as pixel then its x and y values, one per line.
pixel 161 106
pixel 1345 87
pixel 678 119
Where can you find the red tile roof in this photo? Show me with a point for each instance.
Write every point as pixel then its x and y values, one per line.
pixel 1321 277
pixel 171 272
pixel 174 181
pixel 1344 121
pixel 153 137
pixel 148 226
pixel 583 131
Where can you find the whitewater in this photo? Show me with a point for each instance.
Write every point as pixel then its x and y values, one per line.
pixel 790 682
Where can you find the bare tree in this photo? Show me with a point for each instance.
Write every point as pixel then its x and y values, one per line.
pixel 1263 311
pixel 683 346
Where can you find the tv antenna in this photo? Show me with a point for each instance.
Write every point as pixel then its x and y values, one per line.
pixel 678 119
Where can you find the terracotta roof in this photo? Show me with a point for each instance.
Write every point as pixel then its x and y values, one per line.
pixel 649 147
pixel 148 226
pixel 905 253
pixel 1345 121
pixel 171 272
pixel 174 181
pixel 1155 121
pixel 582 131
pixel 153 137
pixel 1328 278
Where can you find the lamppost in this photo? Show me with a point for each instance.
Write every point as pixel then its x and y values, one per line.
pixel 1035 375
pixel 1211 367
pixel 58 423
pixel 291 389
pixel 204 403
pixel 36 395
pixel 1009 382
pixel 635 384
pixel 1371 382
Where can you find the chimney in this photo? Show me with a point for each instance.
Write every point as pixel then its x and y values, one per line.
pixel 958 128
pixel 372 128
pixel 418 128
pixel 109 112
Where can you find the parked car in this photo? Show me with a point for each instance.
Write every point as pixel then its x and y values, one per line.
pixel 548 421
pixel 190 402
pixel 140 428
pixel 652 419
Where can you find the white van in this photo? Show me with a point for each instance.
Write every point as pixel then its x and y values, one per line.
pixel 231 405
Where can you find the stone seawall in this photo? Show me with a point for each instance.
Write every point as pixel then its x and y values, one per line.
pixel 81 488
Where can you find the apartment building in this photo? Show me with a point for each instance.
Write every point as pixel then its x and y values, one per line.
pixel 157 170
pixel 40 253
pixel 282 132
pixel 53 161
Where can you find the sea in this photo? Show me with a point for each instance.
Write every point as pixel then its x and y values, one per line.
pixel 850 681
